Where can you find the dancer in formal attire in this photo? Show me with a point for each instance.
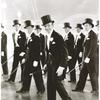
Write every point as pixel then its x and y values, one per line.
pixel 69 44
pixel 55 60
pixel 78 47
pixel 19 40
pixel 90 52
pixel 32 62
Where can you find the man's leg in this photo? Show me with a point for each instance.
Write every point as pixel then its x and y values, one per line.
pixel 61 90
pixel 39 80
pixel 51 83
pixel 82 79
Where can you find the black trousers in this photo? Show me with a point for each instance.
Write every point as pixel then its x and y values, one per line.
pixel 36 73
pixel 71 66
pixel 87 69
pixel 54 84
pixel 4 63
pixel 76 57
pixel 17 59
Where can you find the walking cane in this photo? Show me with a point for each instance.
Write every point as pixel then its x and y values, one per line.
pixel 78 65
pixel 74 68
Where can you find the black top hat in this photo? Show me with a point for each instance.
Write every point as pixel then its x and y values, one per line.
pixel 38 27
pixel 16 22
pixel 79 26
pixel 28 23
pixel 97 23
pixel 46 19
pixel 89 21
pixel 66 24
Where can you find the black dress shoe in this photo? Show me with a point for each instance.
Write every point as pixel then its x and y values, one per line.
pixel 76 90
pixel 22 91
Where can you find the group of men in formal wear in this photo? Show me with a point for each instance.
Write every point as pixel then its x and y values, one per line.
pixel 34 51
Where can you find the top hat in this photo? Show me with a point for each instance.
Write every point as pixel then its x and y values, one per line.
pixel 89 21
pixel 66 24
pixel 79 26
pixel 16 22
pixel 28 23
pixel 38 27
pixel 46 19
pixel 97 23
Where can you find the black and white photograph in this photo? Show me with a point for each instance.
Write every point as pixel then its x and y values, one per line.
pixel 49 49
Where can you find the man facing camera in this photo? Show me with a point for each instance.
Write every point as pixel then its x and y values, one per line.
pixel 69 45
pixel 55 60
pixel 19 40
pixel 89 65
pixel 32 62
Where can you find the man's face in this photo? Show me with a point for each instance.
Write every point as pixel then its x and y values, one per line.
pixel 67 29
pixel 17 27
pixel 49 27
pixel 38 31
pixel 87 27
pixel 29 29
pixel 78 30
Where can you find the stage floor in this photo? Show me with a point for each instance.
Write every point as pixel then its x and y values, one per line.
pixel 8 90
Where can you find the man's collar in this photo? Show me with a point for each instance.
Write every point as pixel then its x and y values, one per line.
pixel 49 35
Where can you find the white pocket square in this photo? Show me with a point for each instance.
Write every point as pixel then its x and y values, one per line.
pixel 53 42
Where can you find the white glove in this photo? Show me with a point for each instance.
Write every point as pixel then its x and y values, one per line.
pixel 80 54
pixel 69 57
pixel 2 53
pixel 41 53
pixel 87 60
pixel 23 61
pixel 22 54
pixel 59 71
pixel 35 63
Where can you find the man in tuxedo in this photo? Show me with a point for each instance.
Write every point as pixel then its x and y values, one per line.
pixel 78 48
pixel 69 44
pixel 38 30
pixel 4 52
pixel 19 39
pixel 32 61
pixel 55 60
pixel 42 41
pixel 90 51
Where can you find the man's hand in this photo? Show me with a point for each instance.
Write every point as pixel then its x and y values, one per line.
pixel 80 54
pixel 87 60
pixel 22 54
pixel 69 57
pixel 35 63
pixel 41 53
pixel 60 71
pixel 23 60
pixel 2 53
